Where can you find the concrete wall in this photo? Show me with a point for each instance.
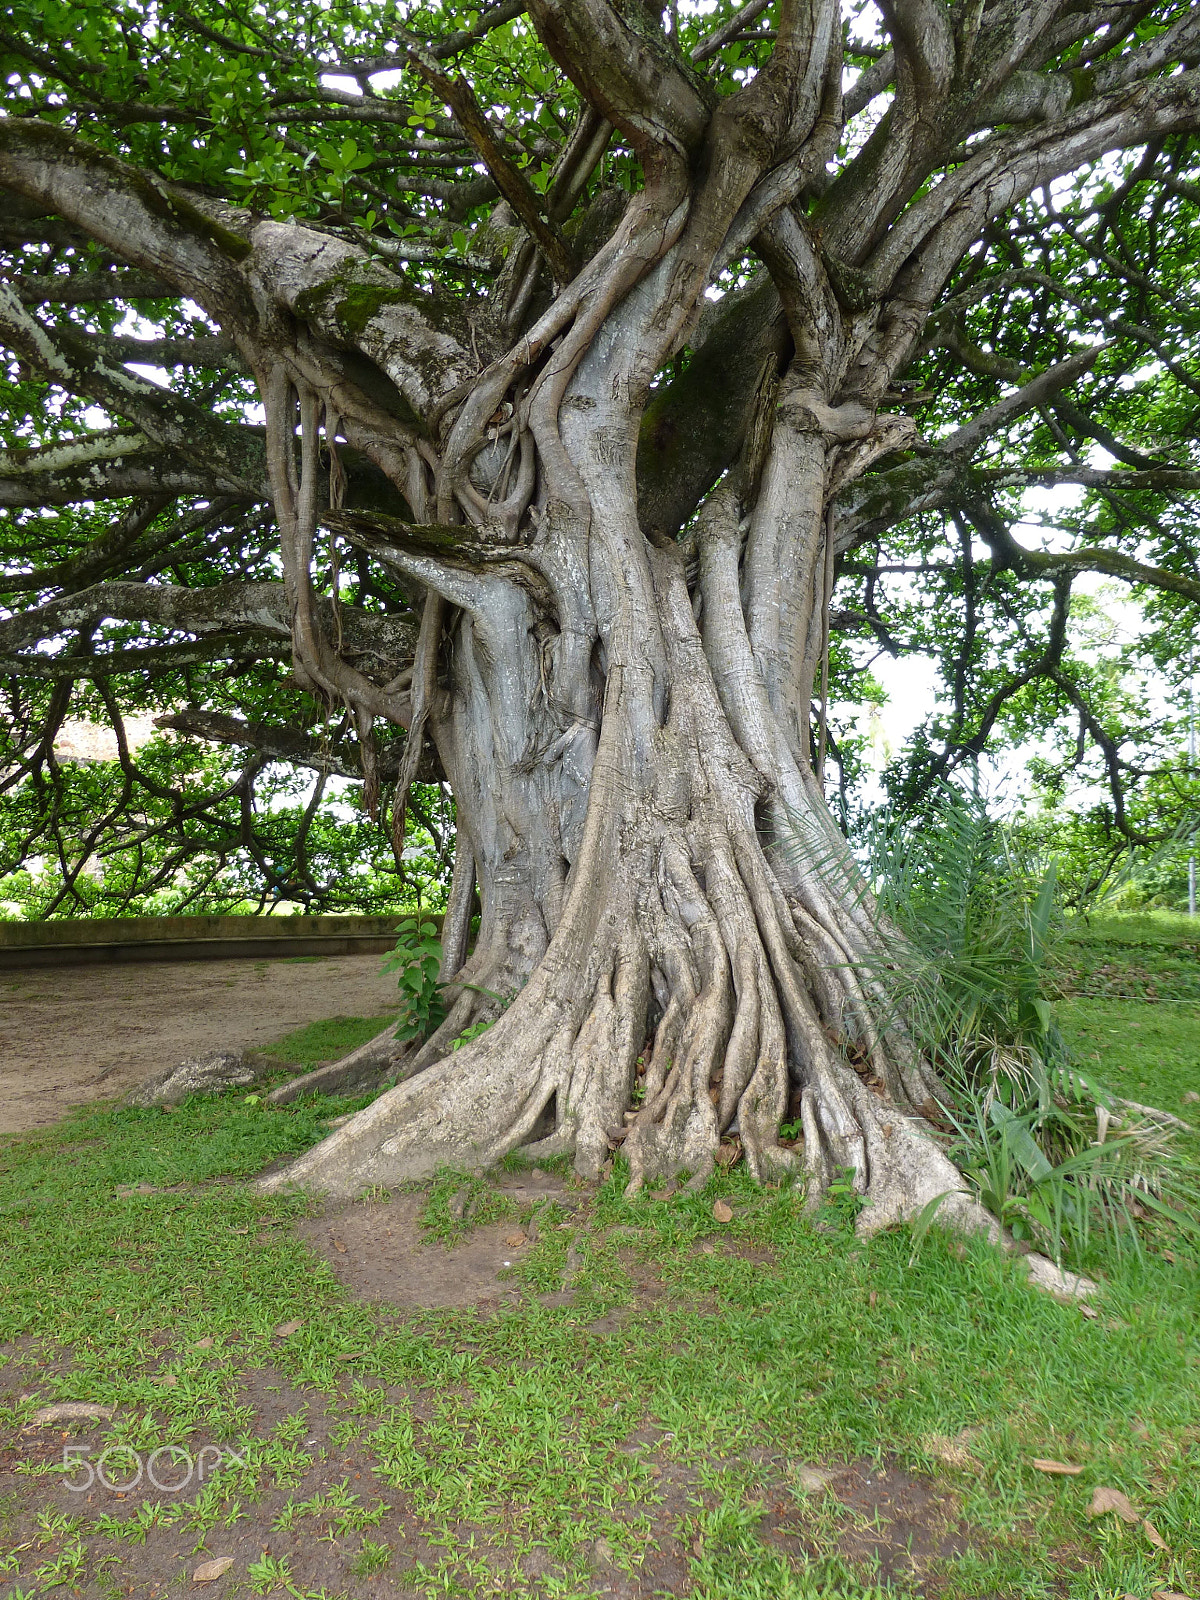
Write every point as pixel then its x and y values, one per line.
pixel 69 941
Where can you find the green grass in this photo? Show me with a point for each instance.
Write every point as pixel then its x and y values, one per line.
pixel 1132 1006
pixel 328 1040
pixel 794 1346
pixel 1149 1053
pixel 1136 958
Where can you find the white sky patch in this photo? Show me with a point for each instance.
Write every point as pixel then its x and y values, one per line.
pixel 134 326
pixel 911 684
pixel 155 375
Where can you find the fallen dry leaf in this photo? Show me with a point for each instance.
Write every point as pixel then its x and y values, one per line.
pixel 722 1212
pixel 1062 1469
pixel 1107 1500
pixel 286 1329
pixel 210 1571
pixel 1152 1533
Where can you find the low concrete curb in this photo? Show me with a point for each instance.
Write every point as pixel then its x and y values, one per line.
pixel 75 942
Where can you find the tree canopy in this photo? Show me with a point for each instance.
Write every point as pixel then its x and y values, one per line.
pixel 563 402
pixel 1060 354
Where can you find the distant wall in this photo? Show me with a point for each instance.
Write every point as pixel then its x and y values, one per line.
pixel 72 941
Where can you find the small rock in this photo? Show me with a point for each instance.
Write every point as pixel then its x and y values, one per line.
pixel 72 1411
pixel 208 1074
pixel 813 1480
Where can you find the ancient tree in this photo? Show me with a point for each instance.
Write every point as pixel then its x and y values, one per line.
pixel 591 342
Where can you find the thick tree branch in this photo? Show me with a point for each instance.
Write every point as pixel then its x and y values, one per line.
pixel 223 609
pixel 965 441
pixel 286 744
pixel 88 288
pixel 628 72
pixel 105 465
pixel 141 218
pixel 234 456
pixel 1088 558
pixel 236 648
pixel 1008 167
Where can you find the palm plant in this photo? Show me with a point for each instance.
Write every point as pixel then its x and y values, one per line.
pixel 1056 1157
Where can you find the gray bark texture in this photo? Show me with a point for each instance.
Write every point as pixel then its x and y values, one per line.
pixel 624 566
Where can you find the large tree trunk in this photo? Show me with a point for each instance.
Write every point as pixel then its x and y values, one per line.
pixel 618 667
pixel 627 726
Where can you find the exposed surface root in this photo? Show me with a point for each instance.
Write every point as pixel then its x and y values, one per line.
pixel 365 1068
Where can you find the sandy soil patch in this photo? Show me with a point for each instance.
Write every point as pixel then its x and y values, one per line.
pixel 69 1035
pixel 377 1250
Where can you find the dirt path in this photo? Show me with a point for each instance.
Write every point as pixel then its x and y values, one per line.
pixel 75 1034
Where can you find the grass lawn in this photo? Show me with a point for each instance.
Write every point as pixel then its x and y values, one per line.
pixel 655 1402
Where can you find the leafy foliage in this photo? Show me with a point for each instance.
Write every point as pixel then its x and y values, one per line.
pixel 320 117
pixel 1047 1146
pixel 416 959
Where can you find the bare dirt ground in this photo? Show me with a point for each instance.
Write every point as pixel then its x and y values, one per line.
pixel 70 1035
